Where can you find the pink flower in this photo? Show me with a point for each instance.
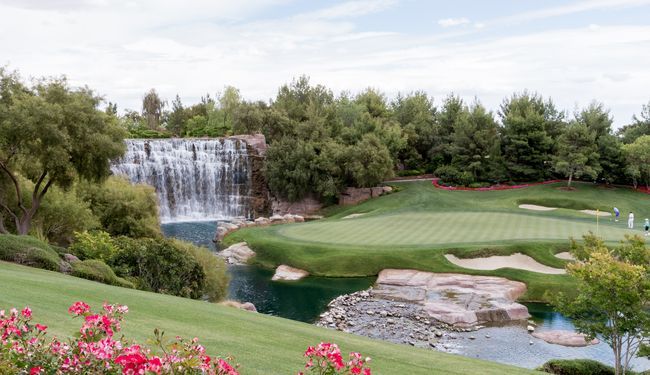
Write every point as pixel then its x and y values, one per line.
pixel 35 370
pixel 79 308
pixel 41 327
pixel 27 313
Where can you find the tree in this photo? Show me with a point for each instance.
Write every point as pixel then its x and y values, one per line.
pixel 527 146
pixel 369 162
pixel 51 134
pixel 577 153
pixel 416 115
pixel 440 153
pixel 599 122
pixel 612 295
pixel 229 100
pixel 177 117
pixel 152 109
pixel 639 127
pixel 637 155
pixel 475 146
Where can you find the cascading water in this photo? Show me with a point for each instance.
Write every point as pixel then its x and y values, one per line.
pixel 195 179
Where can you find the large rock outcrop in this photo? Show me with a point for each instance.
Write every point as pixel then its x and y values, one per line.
pixel 455 299
pixel 238 253
pixel 304 207
pixel 353 195
pixel 288 273
pixel 564 338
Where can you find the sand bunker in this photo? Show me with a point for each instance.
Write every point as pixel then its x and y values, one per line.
pixel 518 260
pixel 535 207
pixel 352 216
pixel 565 255
pixel 598 213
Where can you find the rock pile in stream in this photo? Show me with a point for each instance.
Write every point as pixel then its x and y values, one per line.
pixel 366 314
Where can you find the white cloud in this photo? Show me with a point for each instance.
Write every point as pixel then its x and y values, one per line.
pixel 450 22
pixel 183 49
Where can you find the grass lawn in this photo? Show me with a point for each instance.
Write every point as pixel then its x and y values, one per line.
pixel 262 344
pixel 416 226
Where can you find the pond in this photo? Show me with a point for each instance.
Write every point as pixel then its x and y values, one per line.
pixel 306 299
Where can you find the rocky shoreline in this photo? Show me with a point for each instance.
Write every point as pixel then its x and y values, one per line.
pixel 367 314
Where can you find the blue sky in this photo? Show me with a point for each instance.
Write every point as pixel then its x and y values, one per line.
pixel 574 51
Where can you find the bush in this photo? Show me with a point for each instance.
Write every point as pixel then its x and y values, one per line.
pixel 576 367
pixel 93 245
pixel 29 251
pixel 214 268
pixel 451 174
pixel 123 209
pixel 410 172
pixel 158 265
pixel 96 270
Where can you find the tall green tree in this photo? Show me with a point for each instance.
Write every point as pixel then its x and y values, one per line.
pixel 152 109
pixel 449 114
pixel 177 117
pixel 51 134
pixel 577 153
pixel 475 145
pixel 637 155
pixel 598 120
pixel 416 115
pixel 527 145
pixel 613 292
pixel 640 126
pixel 229 100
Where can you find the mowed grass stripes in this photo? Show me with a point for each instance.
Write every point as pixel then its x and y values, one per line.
pixel 446 228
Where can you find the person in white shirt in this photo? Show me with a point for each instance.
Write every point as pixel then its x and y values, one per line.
pixel 630 220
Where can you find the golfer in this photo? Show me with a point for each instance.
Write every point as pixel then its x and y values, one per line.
pixel 617 213
pixel 630 220
pixel 646 227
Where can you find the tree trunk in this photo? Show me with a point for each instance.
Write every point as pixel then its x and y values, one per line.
pixel 570 178
pixel 3 230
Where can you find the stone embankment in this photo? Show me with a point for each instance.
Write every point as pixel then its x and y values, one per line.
pixel 225 227
pixel 353 195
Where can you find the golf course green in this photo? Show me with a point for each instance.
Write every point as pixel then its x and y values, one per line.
pixel 418 224
pixel 262 344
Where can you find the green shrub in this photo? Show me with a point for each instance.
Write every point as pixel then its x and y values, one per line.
pixel 576 367
pixel 93 245
pixel 214 268
pixel 96 270
pixel 29 251
pixel 410 172
pixel 158 265
pixel 123 209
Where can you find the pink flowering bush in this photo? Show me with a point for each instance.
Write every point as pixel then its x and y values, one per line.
pixel 96 349
pixel 326 359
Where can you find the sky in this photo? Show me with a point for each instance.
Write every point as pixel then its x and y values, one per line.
pixel 574 51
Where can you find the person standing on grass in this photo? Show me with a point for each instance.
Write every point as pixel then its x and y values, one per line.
pixel 630 220
pixel 646 227
pixel 617 213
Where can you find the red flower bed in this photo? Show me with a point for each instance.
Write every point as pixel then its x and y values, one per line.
pixel 436 183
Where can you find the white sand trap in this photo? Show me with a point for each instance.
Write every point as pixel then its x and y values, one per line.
pixel 518 260
pixel 352 216
pixel 594 212
pixel 565 255
pixel 535 207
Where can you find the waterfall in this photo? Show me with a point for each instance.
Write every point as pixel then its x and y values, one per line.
pixel 195 179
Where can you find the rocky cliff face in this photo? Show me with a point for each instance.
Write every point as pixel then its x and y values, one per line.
pixel 260 201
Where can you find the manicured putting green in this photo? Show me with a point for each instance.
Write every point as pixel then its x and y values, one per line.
pixel 444 228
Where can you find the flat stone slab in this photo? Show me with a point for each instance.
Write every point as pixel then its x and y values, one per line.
pixel 564 338
pixel 455 299
pixel 238 253
pixel 288 273
pixel 518 260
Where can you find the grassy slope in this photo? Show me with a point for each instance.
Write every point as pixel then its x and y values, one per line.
pixel 262 344
pixel 416 226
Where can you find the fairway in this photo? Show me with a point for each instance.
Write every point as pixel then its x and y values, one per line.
pixel 418 224
pixel 446 228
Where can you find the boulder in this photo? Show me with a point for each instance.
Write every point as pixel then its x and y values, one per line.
pixel 354 196
pixel 455 299
pixel 288 218
pixel 287 273
pixel 248 306
pixel 275 219
pixel 70 258
pixel 262 221
pixel 306 206
pixel 564 338
pixel 256 141
pixel 238 253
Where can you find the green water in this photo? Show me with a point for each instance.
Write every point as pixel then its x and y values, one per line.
pixel 300 300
